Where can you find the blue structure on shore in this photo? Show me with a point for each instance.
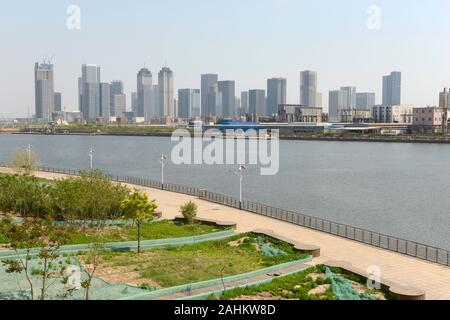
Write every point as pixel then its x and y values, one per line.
pixel 236 125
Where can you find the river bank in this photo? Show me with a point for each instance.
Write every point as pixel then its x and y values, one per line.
pixel 353 138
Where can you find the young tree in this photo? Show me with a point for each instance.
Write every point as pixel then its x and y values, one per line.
pixel 138 208
pixel 24 161
pixel 93 259
pixel 32 235
pixel 189 211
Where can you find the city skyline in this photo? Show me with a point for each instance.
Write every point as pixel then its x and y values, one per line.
pixel 407 32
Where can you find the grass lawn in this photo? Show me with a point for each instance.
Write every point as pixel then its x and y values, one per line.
pixel 149 231
pixel 310 284
pixel 161 268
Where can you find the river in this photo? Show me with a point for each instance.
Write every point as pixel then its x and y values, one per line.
pixel 398 189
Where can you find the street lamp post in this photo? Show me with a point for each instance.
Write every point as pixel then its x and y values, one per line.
pixel 163 163
pixel 241 169
pixel 29 155
pixel 91 156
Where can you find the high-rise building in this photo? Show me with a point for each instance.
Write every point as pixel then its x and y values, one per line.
pixel 105 101
pixel 134 103
pixel 166 98
pixel 244 103
pixel 90 94
pixel 276 94
pixel 188 103
pixel 144 85
pixel 214 103
pixel 58 101
pixel 444 99
pixel 120 104
pixel 308 88
pixel 392 89
pixel 335 104
pixel 227 88
pixel 238 105
pixel 257 102
pixel 44 90
pixel 349 97
pixel 208 85
pixel 117 87
pixel 365 100
pixel 153 110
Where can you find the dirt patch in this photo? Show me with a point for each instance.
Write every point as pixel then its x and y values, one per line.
pixel 122 275
pixel 237 243
pixel 260 296
pixel 316 276
pixel 319 290
pixel 360 288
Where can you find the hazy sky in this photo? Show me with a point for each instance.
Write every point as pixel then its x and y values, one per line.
pixel 243 40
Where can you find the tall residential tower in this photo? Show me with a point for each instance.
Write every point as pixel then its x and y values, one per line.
pixel 44 90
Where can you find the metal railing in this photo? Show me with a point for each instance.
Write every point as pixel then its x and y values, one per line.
pixel 376 239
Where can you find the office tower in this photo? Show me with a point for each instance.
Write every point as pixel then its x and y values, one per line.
pixel 208 85
pixel 257 102
pixel 165 85
pixel 214 103
pixel 308 88
pixel 335 104
pixel 244 103
pixel 105 101
pixel 134 103
pixel 276 94
pixel 90 94
pixel 144 85
pixel 44 90
pixel 444 104
pixel 153 108
pixel 349 97
pixel 188 103
pixel 120 104
pixel 58 101
pixel 80 94
pixel 365 100
pixel 227 89
pixel 392 89
pixel 444 99
pixel 117 87
pixel 237 103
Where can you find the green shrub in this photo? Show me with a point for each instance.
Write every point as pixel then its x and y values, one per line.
pixel 189 211
pixel 92 196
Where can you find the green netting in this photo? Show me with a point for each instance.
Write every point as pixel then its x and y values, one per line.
pixel 130 245
pixel 267 249
pixel 343 288
pixel 16 287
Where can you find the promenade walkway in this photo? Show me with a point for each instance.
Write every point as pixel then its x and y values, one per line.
pixel 432 278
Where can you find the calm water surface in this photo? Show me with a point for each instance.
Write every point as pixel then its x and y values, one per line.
pixel 397 189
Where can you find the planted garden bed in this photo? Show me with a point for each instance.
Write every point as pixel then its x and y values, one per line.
pixel 315 283
pixel 163 268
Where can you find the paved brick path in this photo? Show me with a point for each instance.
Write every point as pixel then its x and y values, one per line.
pixel 432 278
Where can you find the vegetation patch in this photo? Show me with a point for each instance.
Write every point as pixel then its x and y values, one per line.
pixel 310 284
pixel 92 196
pixel 194 263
